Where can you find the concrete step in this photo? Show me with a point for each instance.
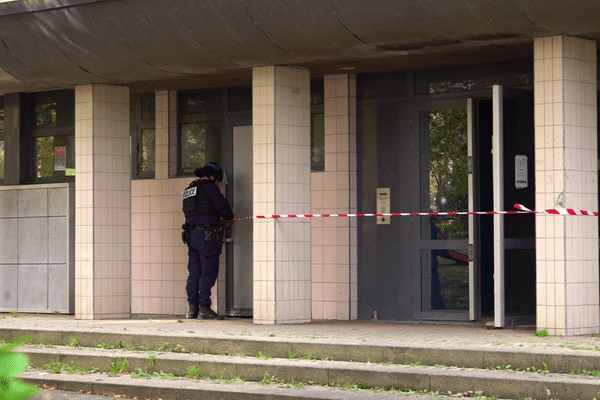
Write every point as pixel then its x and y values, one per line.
pixel 281 371
pixel 552 359
pixel 127 387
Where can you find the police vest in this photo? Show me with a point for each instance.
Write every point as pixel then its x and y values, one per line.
pixel 195 201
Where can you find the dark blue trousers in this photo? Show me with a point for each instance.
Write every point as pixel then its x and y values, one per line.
pixel 203 268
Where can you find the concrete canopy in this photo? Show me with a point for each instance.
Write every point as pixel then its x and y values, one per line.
pixel 175 44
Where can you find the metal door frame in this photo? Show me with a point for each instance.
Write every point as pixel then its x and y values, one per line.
pixel 471 242
pixel 233 246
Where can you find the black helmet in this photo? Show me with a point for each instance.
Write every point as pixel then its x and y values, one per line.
pixel 210 169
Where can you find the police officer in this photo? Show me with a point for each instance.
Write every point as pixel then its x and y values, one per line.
pixel 204 206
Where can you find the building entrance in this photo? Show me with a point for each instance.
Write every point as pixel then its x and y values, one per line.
pixel 239 269
pixel 436 157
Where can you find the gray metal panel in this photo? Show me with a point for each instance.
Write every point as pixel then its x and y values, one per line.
pixel 33 287
pixel 9 242
pixel 384 251
pixel 33 240
pixel 58 278
pixel 58 242
pixel 58 200
pixel 33 202
pixel 8 199
pixel 8 287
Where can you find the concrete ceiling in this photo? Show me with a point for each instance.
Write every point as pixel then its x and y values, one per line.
pixel 183 44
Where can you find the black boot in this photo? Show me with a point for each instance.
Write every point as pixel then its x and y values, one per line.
pixel 194 310
pixel 207 313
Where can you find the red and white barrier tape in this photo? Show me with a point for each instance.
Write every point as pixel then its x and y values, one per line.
pixel 521 210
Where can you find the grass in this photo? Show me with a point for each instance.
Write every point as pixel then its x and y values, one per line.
pixel 262 356
pixel 541 332
pixel 74 341
pixel 194 372
pixel 118 367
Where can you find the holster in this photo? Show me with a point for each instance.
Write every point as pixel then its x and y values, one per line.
pixel 185 235
pixel 209 232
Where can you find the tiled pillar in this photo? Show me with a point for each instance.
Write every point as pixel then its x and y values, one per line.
pixel 334 263
pixel 567 176
pixel 102 202
pixel 281 145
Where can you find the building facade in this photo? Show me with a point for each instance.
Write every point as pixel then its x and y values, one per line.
pixel 313 108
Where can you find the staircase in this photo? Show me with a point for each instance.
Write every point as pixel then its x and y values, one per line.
pixel 172 366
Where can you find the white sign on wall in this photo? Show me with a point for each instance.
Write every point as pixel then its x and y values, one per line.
pixel 521 181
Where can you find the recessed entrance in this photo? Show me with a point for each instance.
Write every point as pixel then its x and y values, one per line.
pixel 436 157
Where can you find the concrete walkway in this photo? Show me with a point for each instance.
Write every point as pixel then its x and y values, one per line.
pixel 441 335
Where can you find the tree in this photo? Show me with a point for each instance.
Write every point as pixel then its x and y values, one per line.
pixel 448 163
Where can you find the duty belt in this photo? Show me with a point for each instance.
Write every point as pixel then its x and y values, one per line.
pixel 210 231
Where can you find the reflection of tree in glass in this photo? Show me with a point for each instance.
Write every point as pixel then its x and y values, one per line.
pixel 201 143
pixel 317 136
pixel 45 156
pixel 1 159
pixel 44 149
pixel 148 150
pixel 45 115
pixel 194 142
pixel 482 83
pixel 449 168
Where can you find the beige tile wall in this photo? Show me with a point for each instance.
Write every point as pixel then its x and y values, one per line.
pixel 281 146
pixel 158 256
pixel 333 191
pixel 566 165
pixel 102 217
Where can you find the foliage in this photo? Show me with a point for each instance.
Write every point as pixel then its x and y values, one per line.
pixel 12 364
pixel 541 332
pixel 448 164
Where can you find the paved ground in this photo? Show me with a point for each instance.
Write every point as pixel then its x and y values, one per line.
pixel 445 335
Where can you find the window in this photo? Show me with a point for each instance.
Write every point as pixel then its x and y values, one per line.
pixel 143 134
pixel 1 140
pixel 53 135
pixel 478 77
pixel 202 118
pixel 200 143
pixel 317 125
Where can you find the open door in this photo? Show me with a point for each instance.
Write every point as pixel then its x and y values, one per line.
pixel 444 246
pixel 240 250
pixel 513 182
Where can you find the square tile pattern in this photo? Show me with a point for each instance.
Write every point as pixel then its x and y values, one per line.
pixel 566 171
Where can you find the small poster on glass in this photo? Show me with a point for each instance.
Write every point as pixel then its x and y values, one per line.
pixel 60 158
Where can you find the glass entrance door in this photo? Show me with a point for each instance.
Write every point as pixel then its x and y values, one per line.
pixel 442 243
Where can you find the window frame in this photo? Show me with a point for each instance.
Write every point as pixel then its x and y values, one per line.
pixel 3 140
pixel 317 107
pixel 221 114
pixel 137 125
pixel 62 97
